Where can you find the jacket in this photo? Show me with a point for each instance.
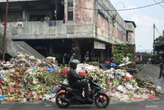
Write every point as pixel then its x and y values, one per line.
pixel 73 77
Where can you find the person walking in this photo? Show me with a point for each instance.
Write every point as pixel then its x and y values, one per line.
pixel 161 68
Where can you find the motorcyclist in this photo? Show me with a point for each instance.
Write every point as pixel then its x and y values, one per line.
pixel 75 80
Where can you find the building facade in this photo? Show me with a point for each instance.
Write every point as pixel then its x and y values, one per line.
pixel 53 27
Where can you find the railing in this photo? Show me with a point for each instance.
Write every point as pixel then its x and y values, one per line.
pixel 37 30
pixel 57 30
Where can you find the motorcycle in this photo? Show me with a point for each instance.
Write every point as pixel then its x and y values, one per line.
pixel 66 95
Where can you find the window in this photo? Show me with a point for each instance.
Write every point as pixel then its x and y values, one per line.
pixel 70 9
pixel 127 38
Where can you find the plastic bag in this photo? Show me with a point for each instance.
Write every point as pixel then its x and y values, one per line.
pixel 53 90
pixel 1 76
pixel 65 71
pixel 50 70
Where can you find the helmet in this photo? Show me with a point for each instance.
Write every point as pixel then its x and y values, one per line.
pixel 73 63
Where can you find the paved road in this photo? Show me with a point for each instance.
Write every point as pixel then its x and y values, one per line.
pixel 157 104
pixel 151 72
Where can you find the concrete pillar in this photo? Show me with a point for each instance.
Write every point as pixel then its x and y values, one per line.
pixel 101 55
pixel 76 49
pixel 65 9
pixel 25 15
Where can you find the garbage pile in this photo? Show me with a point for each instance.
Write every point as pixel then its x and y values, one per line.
pixel 119 84
pixel 27 79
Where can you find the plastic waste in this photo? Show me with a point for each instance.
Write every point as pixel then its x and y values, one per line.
pixel 1 76
pixel 34 67
pixel 53 90
pixel 50 70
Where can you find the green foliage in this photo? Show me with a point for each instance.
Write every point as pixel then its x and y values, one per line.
pixel 101 78
pixel 95 63
pixel 44 80
pixel 122 50
pixel 161 38
pixel 114 19
pixel 159 41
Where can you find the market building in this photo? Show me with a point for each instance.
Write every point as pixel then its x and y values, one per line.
pixel 53 27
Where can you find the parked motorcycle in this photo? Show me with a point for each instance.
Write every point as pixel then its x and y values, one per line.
pixel 66 95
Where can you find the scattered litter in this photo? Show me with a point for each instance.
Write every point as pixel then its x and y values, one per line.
pixel 27 79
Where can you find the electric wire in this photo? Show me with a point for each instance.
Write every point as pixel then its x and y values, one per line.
pixel 128 9
pixel 159 4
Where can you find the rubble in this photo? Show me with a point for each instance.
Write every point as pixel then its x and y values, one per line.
pixel 27 79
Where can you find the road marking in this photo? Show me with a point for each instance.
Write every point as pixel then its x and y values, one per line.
pixel 144 106
pixel 151 106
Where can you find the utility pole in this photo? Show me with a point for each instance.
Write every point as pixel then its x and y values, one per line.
pixel 5 29
pixel 153 38
pixel 153 32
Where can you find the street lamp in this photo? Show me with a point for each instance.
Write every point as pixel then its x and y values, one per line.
pixel 4 36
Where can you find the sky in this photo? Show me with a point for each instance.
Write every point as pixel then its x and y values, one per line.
pixel 144 19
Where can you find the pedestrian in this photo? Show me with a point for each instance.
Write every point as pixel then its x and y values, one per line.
pixel 126 59
pixel 161 68
pixel 107 64
pixel 65 58
pixel 86 57
pixel 149 60
pixel 72 57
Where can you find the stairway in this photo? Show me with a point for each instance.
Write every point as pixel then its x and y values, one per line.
pixel 13 47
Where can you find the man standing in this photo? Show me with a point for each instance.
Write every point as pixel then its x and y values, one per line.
pixel 65 59
pixel 126 59
pixel 86 57
pixel 161 68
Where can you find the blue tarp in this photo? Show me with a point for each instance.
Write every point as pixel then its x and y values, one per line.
pixel 53 90
pixel 2 96
pixel 1 76
pixel 50 70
